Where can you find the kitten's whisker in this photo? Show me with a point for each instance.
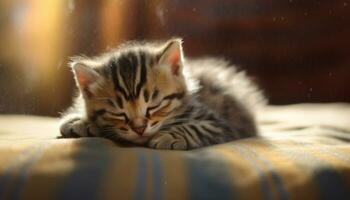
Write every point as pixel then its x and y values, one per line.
pixel 200 108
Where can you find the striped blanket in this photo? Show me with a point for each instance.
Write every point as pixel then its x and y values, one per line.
pixel 303 153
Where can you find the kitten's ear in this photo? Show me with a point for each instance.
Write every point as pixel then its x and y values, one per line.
pixel 85 76
pixel 172 56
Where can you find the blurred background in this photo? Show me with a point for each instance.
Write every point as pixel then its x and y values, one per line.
pixel 298 51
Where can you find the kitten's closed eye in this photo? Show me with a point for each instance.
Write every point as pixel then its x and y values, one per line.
pixel 118 116
pixel 153 109
pixel 180 112
pixel 160 109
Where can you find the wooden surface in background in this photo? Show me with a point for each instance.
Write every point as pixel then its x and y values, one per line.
pixel 299 51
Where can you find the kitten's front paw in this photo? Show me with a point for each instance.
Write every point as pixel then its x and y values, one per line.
pixel 167 141
pixel 76 127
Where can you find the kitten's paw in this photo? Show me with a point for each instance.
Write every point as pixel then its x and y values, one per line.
pixel 76 127
pixel 167 141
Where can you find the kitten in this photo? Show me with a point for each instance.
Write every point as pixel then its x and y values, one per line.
pixel 148 94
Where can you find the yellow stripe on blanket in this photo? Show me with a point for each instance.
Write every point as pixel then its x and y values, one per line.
pixel 310 163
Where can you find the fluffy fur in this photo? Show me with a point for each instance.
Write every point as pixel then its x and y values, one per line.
pixel 148 94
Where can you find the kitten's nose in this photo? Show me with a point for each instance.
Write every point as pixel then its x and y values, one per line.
pixel 139 125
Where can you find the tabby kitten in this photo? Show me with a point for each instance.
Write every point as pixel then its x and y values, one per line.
pixel 148 94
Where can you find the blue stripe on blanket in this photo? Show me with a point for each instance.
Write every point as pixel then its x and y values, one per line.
pixel 208 177
pixel 24 172
pixel 157 177
pixel 277 180
pixel 332 185
pixel 7 174
pixel 263 179
pixel 140 189
pixel 331 182
pixel 91 163
pixel 24 169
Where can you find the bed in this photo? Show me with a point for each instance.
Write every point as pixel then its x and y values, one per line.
pixel 303 153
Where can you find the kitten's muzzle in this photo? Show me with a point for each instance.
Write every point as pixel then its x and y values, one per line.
pixel 138 125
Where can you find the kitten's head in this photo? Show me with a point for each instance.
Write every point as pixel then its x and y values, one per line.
pixel 130 92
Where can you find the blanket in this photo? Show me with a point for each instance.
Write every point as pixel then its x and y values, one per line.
pixel 303 152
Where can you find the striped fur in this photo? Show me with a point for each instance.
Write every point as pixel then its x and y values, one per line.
pixel 183 104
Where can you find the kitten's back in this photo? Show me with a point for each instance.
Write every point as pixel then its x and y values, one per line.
pixel 227 91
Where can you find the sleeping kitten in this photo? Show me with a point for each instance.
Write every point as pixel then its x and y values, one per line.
pixel 148 94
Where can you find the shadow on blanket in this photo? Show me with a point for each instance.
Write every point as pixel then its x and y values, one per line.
pixel 303 153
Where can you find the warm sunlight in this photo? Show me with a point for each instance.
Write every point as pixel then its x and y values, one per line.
pixel 174 99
